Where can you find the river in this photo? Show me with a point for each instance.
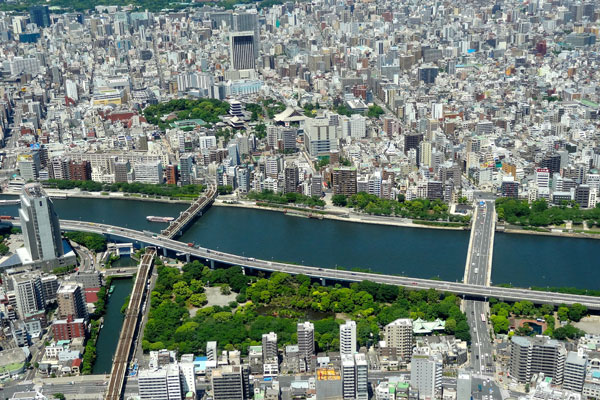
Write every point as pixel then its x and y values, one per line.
pixel 523 260
pixel 113 320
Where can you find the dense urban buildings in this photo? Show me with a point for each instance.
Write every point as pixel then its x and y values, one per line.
pixel 407 110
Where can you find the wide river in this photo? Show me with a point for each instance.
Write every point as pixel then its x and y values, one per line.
pixel 522 260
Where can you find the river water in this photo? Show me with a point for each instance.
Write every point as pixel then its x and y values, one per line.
pixel 113 320
pixel 523 260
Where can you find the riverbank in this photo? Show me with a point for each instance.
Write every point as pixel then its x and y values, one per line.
pixel 65 194
pixel 573 235
pixel 348 217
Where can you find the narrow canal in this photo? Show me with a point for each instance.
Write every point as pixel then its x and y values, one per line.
pixel 113 320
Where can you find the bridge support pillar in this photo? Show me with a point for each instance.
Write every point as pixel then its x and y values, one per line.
pixel 323 282
pixel 164 251
pixel 243 270
pixel 212 264
pixel 187 257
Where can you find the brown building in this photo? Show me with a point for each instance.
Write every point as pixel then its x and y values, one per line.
pixel 344 181
pixel 80 171
pixel 71 302
pixel 171 174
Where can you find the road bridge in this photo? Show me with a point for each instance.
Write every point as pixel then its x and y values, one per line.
pixel 177 226
pixel 475 291
pixel 478 271
pixel 126 338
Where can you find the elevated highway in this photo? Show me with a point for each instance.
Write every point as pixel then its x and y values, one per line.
pixel 470 290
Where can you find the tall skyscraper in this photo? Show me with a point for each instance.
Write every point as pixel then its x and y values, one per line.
pixel 40 15
pixel 29 294
pixel 242 48
pixel 348 338
pixel 71 302
pixel 39 223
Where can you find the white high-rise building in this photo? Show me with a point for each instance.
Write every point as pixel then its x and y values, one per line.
pixel 362 376
pixel 348 377
pixel 348 338
pixel 575 369
pixel 160 384
pixel 28 293
pixel 150 172
pixel 426 376
pixel 211 351
pixel 188 377
pixel 39 223
pixel 542 177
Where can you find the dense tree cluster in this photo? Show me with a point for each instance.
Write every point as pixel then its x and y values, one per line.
pixel 289 198
pixel 424 209
pixel 208 110
pixel 501 312
pixel 277 304
pixel 540 214
pixel 92 241
pixel 173 191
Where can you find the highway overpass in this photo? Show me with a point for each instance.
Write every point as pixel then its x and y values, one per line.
pixel 211 256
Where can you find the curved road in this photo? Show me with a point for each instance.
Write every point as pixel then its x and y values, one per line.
pixel 466 289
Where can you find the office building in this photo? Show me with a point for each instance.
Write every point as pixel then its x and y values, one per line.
pixel 29 166
pixel 532 355
pixel 148 172
pixel 362 376
pixel 160 384
pixel 426 376
pixel 292 178
pixel 509 187
pixel 29 294
pixel 574 374
pixel 49 287
pixel 39 223
pixel 188 377
pixel 344 181
pixel 306 339
pixel 242 47
pixel 428 74
pixel 399 335
pixel 354 373
pixel 186 164
pixel 269 346
pixel 40 15
pixel 320 136
pixel 71 302
pixel 348 377
pixel 230 382
pixel 348 338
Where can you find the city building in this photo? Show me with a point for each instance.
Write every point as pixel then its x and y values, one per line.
pixel 533 355
pixel 71 302
pixel 399 335
pixel 426 376
pixel 160 384
pixel 348 338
